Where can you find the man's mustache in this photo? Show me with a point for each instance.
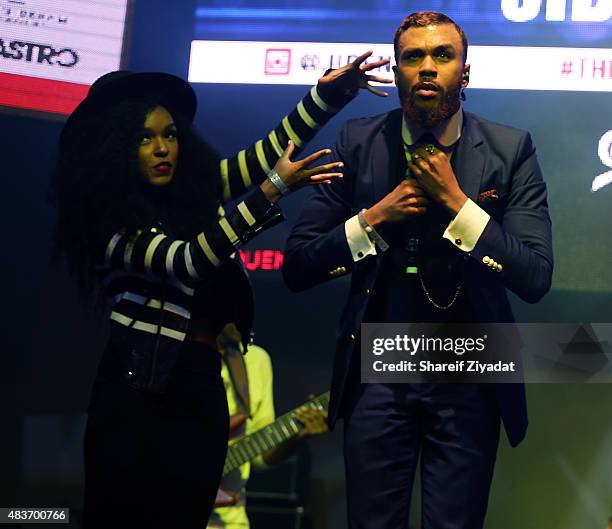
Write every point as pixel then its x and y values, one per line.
pixel 426 85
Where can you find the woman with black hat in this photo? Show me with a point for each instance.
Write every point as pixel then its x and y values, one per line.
pixel 140 218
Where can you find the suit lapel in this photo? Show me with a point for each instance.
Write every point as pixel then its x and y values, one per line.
pixel 389 165
pixel 470 162
pixel 387 156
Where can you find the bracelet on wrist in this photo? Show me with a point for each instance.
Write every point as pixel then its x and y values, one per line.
pixel 278 183
pixel 373 235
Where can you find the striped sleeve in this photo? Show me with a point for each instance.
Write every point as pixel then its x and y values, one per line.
pixel 157 255
pixel 250 166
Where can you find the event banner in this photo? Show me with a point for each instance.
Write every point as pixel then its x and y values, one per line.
pixel 495 67
pixel 51 51
pixel 563 45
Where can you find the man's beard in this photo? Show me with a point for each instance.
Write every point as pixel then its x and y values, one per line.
pixel 428 117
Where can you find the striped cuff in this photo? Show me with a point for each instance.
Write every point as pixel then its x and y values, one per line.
pixel 334 97
pixel 253 214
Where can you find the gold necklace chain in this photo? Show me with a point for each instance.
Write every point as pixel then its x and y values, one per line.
pixel 432 301
pixel 449 151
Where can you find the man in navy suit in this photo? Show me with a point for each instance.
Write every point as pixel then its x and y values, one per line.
pixel 438 214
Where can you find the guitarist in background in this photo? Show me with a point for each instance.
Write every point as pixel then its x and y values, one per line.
pixel 248 386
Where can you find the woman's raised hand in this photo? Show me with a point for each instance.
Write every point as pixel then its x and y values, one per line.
pixel 351 77
pixel 294 175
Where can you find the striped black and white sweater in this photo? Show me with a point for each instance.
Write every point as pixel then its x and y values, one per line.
pixel 152 277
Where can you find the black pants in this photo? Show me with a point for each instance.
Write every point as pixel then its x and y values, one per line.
pixel 156 460
pixel 454 428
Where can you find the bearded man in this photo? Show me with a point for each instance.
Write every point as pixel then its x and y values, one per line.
pixel 438 214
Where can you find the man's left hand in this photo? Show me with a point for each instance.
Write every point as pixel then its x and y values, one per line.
pixel 350 78
pixel 433 170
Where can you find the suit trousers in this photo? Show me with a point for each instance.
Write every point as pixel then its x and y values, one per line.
pixel 155 460
pixel 454 428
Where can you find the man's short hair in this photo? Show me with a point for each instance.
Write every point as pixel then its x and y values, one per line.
pixel 422 19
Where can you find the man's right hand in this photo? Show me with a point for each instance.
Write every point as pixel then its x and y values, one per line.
pixel 406 201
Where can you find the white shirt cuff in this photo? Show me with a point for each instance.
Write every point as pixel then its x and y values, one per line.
pixel 467 226
pixel 359 243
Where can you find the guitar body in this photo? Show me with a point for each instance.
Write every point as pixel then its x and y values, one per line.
pixel 224 498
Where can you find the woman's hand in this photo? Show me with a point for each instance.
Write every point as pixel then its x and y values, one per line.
pixel 351 77
pixel 295 175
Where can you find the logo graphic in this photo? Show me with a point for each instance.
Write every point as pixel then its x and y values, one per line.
pixel 38 53
pixel 278 61
pixel 604 151
pixel 262 259
pixel 310 62
pixel 526 10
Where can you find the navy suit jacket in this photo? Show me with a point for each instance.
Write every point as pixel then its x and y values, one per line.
pixel 518 236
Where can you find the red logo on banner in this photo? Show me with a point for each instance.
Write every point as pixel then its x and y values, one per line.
pixel 278 61
pixel 262 259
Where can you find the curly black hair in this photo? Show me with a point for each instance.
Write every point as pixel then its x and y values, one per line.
pixel 423 19
pixel 98 190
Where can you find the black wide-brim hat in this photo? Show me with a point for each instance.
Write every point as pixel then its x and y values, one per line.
pixel 114 87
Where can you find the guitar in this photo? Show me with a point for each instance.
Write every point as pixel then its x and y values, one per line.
pixel 268 437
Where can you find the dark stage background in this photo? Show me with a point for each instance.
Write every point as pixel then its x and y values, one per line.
pixel 560 477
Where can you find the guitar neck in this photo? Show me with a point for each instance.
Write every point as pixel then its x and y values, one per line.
pixel 280 431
